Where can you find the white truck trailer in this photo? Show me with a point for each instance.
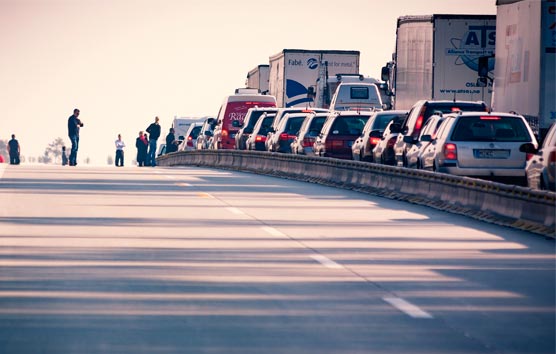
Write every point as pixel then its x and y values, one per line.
pixel 437 56
pixel 524 76
pixel 294 71
pixel 258 78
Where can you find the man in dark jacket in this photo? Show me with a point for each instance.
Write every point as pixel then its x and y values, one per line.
pixel 74 124
pixel 154 134
pixel 171 142
pixel 13 150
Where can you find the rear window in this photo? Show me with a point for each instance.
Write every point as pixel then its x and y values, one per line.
pixel 294 124
pixel 316 125
pixel 265 125
pixel 195 132
pixel 348 125
pixel 449 107
pixel 489 128
pixel 382 120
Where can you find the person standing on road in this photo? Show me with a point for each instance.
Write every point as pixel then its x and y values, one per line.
pixel 141 143
pixel 120 145
pixel 74 124
pixel 154 134
pixel 171 142
pixel 64 156
pixel 14 150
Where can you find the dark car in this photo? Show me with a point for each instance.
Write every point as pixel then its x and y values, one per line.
pixel 362 149
pixel 302 144
pixel 418 116
pixel 287 130
pixel 257 139
pixel 251 118
pixel 339 132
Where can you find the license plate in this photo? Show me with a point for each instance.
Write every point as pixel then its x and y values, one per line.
pixel 491 153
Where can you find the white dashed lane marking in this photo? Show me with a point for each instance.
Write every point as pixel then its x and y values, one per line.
pixel 273 231
pixel 407 307
pixel 235 211
pixel 327 262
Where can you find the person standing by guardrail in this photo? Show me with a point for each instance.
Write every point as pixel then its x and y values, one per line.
pixel 120 145
pixel 14 150
pixel 74 124
pixel 154 134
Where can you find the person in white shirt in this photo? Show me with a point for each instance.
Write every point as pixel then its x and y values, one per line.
pixel 120 145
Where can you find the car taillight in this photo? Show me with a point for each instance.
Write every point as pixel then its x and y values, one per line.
pixel 374 140
pixel 189 141
pixel 308 142
pixel 489 118
pixel 419 122
pixel 450 151
pixel 260 138
pixel 224 133
pixel 286 136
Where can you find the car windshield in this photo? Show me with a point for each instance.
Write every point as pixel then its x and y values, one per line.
pixel 490 128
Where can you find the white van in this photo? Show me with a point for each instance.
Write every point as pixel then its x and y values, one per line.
pixel 232 113
pixel 356 96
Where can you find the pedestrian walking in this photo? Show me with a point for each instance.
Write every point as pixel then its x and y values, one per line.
pixel 64 156
pixel 120 145
pixel 14 150
pixel 74 124
pixel 141 143
pixel 154 134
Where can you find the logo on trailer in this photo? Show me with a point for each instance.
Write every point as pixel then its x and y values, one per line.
pixel 312 63
pixel 478 41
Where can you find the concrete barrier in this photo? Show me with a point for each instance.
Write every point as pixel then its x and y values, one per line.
pixel 513 206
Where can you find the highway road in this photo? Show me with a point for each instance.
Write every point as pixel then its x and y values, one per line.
pixel 194 260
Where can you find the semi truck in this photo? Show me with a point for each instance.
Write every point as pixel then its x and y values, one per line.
pixel 436 58
pixel 524 76
pixel 257 78
pixel 294 72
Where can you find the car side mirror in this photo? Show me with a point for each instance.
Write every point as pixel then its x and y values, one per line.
pixel 426 138
pixel 528 148
pixel 376 134
pixel 236 124
pixel 181 137
pixel 408 139
pixel 208 133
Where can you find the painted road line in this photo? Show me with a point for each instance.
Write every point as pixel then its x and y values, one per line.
pixel 204 195
pixel 273 231
pixel 235 211
pixel 407 307
pixel 183 184
pixel 327 262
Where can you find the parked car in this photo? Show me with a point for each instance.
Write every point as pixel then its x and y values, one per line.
pixel 281 112
pixel 362 149
pixel 205 134
pixel 422 143
pixel 245 129
pixel 484 145
pixel 541 167
pixel 190 137
pixel 418 116
pixel 233 109
pixel 302 144
pixel 339 132
pixel 257 139
pixel 287 130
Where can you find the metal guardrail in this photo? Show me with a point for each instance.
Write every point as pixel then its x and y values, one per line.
pixel 514 206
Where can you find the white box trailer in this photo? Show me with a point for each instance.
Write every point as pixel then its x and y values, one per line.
pixel 524 76
pixel 293 71
pixel 258 78
pixel 437 56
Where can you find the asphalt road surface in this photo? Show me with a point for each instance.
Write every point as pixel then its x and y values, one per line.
pixel 193 260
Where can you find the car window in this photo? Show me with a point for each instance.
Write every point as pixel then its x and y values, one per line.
pixel 348 125
pixel 195 132
pixel 316 125
pixel 382 120
pixel 489 128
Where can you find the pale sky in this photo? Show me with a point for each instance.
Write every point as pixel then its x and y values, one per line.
pixel 123 62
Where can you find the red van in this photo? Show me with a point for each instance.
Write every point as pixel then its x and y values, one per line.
pixel 232 113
